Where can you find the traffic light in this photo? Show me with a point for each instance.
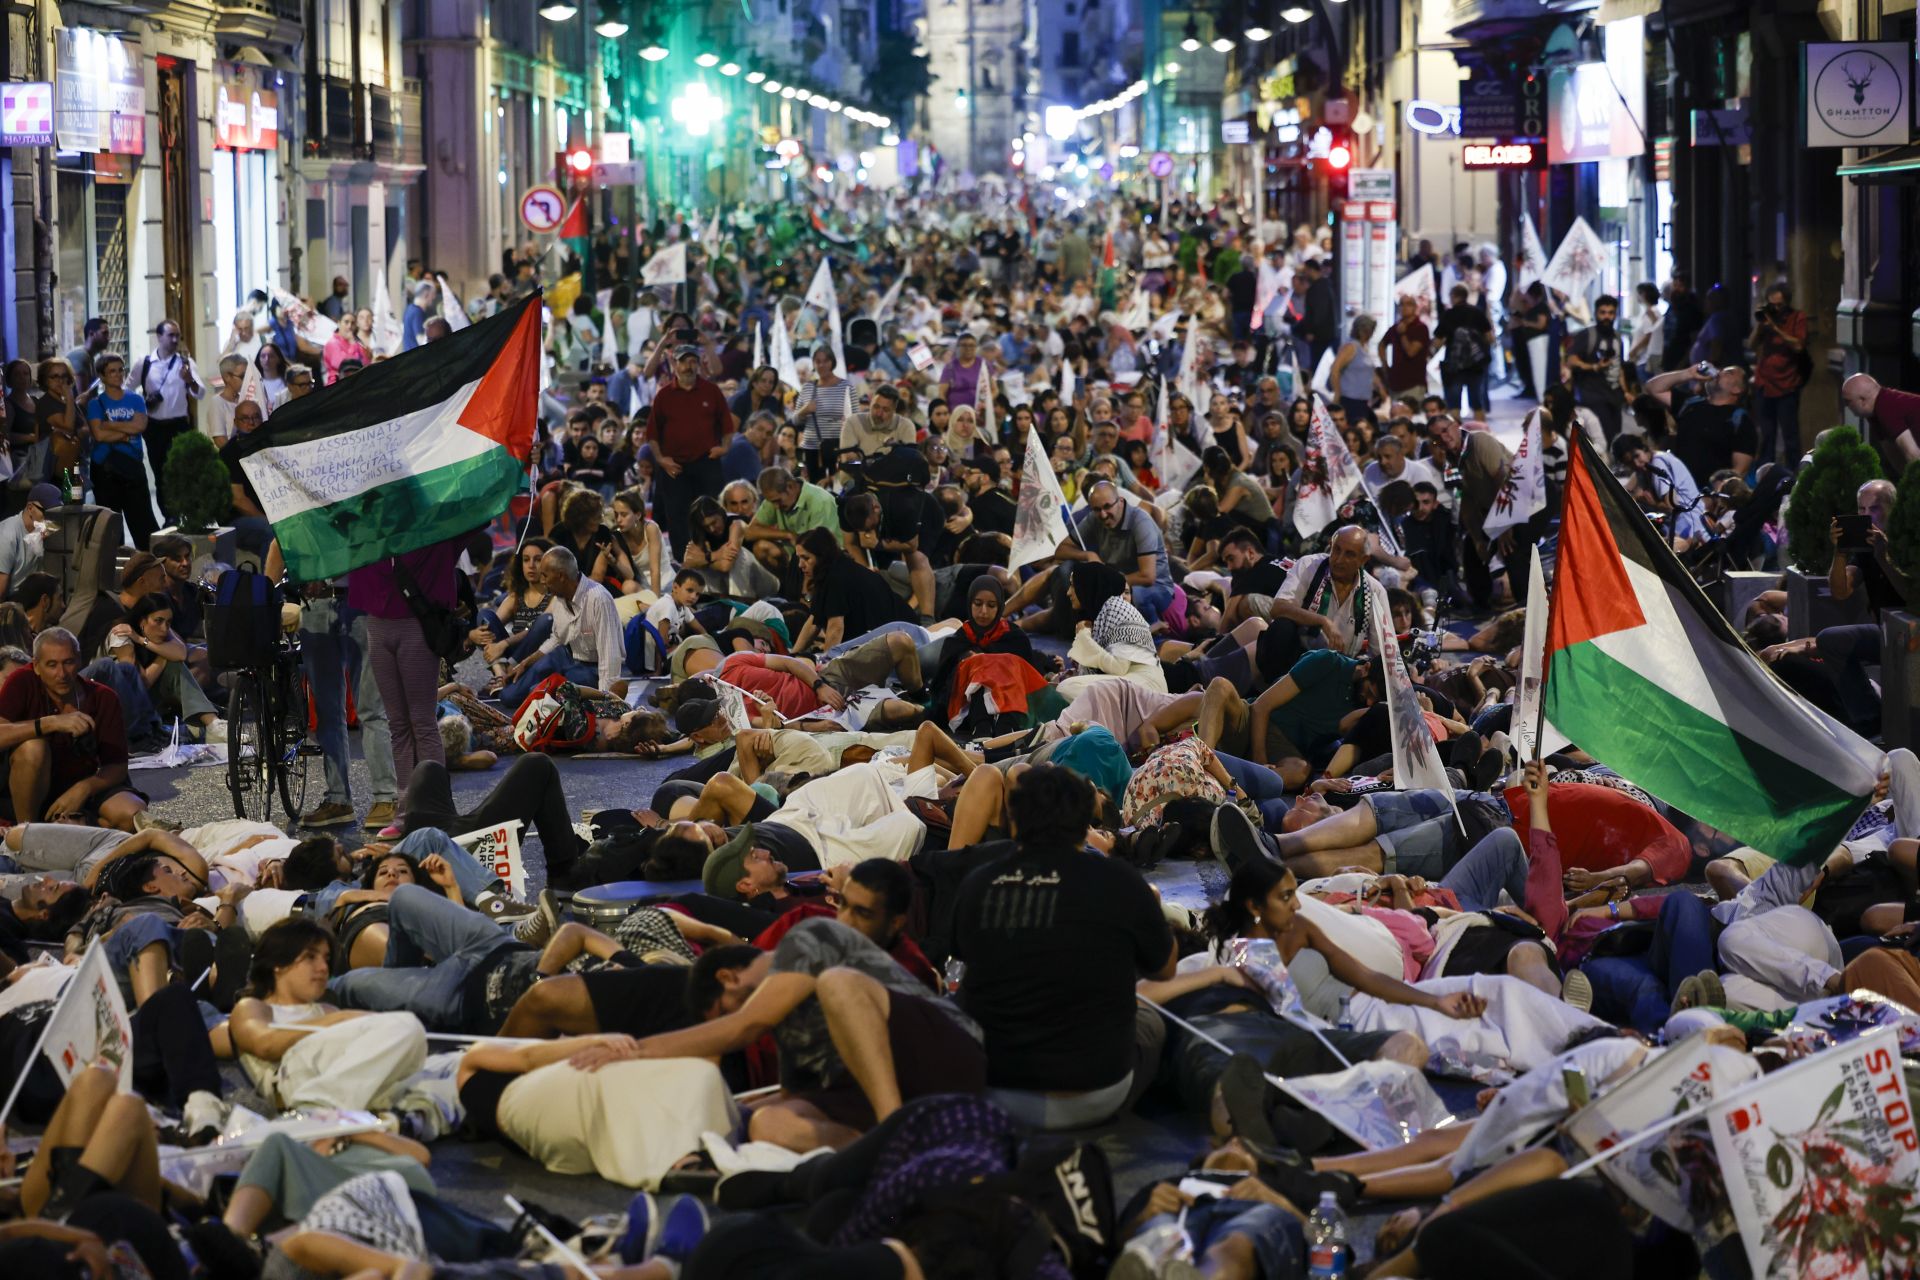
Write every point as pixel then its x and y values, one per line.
pixel 580 161
pixel 1338 162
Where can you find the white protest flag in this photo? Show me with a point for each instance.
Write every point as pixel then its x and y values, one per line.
pixel 822 298
pixel 892 296
pixel 1328 474
pixel 1656 1175
pixel 759 347
pixel 89 1024
pixel 983 401
pixel 1139 314
pixel 1266 285
pixel 1040 521
pixel 710 238
pixel 1416 760
pixel 1577 263
pixel 1389 540
pixel 1533 255
pixel 1533 657
pixel 385 339
pixel 669 266
pixel 1820 1161
pixel 252 388
pixel 639 329
pixel 451 309
pixel 1524 493
pixel 1173 462
pixel 1420 286
pixel 1066 382
pixel 309 326
pixel 609 339
pixel 782 356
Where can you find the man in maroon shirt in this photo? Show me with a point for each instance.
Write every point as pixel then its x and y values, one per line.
pixel 1896 413
pixel 689 426
pixel 65 741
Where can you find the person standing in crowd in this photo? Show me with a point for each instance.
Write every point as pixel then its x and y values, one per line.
pixel 1404 350
pixel 167 380
pixel 413 321
pixel 1594 356
pixel 117 417
pixel 1895 413
pixel 690 429
pixel 1319 323
pixel 1681 324
pixel 93 340
pixel 405 670
pixel 1649 326
pixel 335 305
pixel 825 403
pixel 1466 340
pixel 1780 369
pixel 1355 376
pixel 334 654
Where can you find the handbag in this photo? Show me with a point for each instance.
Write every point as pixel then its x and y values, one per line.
pixel 440 625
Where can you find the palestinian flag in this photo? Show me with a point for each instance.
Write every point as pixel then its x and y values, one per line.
pixel 1647 676
pixel 414 450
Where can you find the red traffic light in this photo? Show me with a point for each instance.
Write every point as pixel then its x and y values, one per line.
pixel 580 160
pixel 1339 155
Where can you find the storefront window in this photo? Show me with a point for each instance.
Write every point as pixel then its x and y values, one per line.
pixel 246 246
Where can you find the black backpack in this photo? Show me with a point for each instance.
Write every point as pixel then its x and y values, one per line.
pixel 243 622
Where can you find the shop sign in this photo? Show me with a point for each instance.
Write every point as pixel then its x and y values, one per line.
pixel 99 93
pixel 1586 119
pixel 26 114
pixel 1857 94
pixel 1502 155
pixel 246 107
pixel 1729 127
pixel 1428 117
pixel 1370 184
pixel 1501 108
pixel 1234 131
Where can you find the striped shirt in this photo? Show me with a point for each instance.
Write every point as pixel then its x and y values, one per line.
pixel 831 405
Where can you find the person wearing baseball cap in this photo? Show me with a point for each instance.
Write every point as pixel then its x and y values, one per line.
pixel 691 427
pixel 23 537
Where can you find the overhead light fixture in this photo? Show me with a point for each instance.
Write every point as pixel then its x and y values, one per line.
pixel 558 12
pixel 707 59
pixel 1222 45
pixel 1191 40
pixel 1173 68
pixel 835 105
pixel 755 77
pixel 730 69
pixel 1295 14
pixel 788 92
pixel 1257 33
pixel 654 51
pixel 891 140
pixel 612 28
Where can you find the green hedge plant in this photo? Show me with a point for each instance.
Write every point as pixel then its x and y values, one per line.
pixel 1825 488
pixel 199 488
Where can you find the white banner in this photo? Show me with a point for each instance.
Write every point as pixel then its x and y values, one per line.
pixel 451 309
pixel 1416 760
pixel 783 352
pixel 1578 262
pixel 1820 1161
pixel 1654 1175
pixel 1040 522
pixel 385 339
pixel 822 297
pixel 1533 657
pixel 1328 475
pixel 1420 286
pixel 1524 493
pixel 669 266
pixel 1533 257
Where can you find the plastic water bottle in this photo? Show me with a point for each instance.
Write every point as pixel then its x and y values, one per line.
pixel 1329 1256
pixel 1345 1022
pixel 956 973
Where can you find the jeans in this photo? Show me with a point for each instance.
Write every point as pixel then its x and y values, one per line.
pixel 1848 652
pixel 408 676
pixel 473 879
pixel 434 947
pixel 333 649
pixel 1151 601
pixel 1474 385
pixel 673 495
pixel 529 792
pixel 531 639
pixel 554 662
pixel 1778 418
pixel 1639 990
pixel 1261 785
pixel 1497 862
pixel 1279 1242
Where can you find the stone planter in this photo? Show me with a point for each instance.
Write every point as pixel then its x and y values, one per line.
pixel 1811 607
pixel 209 545
pixel 1899 678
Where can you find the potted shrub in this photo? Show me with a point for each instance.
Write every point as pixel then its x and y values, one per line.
pixel 200 493
pixel 1825 488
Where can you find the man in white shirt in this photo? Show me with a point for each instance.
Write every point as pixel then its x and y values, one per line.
pixel 168 381
pixel 588 644
pixel 1392 463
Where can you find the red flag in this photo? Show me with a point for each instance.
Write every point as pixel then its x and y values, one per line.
pixel 1106 254
pixel 574 225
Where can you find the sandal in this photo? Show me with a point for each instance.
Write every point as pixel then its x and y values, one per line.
pixel 1397 1232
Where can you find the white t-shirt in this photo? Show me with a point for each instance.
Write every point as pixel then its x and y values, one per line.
pixel 669 619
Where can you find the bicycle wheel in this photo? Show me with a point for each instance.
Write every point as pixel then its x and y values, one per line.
pixel 249 763
pixel 293 751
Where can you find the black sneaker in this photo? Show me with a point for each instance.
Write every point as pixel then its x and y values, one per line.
pixel 1234 839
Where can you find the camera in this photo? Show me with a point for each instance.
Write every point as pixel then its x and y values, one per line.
pixel 1450 476
pixel 1421 647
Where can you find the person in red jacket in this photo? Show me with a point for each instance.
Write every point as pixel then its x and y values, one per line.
pixel 689 427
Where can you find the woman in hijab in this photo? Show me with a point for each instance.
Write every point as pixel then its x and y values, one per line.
pixel 963 432
pixel 1111 638
pixel 986 630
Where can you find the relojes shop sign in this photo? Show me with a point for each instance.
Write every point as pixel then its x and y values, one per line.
pixel 1858 95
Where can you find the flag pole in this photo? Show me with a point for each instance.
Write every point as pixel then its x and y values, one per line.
pixel 41 1044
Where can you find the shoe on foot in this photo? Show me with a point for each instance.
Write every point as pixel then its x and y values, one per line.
pixel 1234 839
pixel 379 816
pixel 685 1227
pixel 498 906
pixel 329 815
pixel 1577 990
pixel 392 831
pixel 642 1235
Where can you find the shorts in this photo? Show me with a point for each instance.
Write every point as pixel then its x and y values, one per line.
pixel 1236 732
pixel 870 664
pixel 1417 832
pixel 350 929
pixel 1259 606
pixel 931 1054
pixel 1752 863
pixel 135 934
pixel 90 811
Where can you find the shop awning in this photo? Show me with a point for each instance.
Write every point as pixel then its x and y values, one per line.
pixel 1614 10
pixel 1895 164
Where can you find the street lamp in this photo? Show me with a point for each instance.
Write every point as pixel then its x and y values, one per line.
pixel 708 60
pixel 1191 41
pixel 611 28
pixel 1295 14
pixel 755 77
pixel 1222 45
pixel 771 86
pixel 654 51
pixel 698 109
pixel 730 69
pixel 1257 33
pixel 558 12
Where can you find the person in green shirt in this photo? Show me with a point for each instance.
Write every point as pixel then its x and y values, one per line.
pixel 1299 720
pixel 789 507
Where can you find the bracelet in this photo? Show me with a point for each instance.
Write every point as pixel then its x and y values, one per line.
pixel 1613 909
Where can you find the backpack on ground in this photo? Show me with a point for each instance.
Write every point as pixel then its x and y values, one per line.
pixel 555 717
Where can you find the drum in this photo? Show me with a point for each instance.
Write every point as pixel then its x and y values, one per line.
pixel 603 906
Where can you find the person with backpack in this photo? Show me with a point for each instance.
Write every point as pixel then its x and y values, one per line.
pixel 167 380
pixel 1465 336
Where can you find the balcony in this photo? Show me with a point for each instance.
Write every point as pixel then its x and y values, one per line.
pixel 395 117
pixel 269 20
pixel 366 123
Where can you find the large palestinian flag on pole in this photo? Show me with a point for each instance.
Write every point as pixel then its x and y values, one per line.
pixel 413 451
pixel 1646 676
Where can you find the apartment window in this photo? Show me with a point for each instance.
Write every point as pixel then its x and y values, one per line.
pixel 1070 49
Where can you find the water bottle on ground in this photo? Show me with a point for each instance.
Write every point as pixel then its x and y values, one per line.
pixel 1329 1256
pixel 1346 1013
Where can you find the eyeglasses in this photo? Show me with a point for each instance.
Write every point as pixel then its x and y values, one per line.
pixel 1104 509
pixel 301 382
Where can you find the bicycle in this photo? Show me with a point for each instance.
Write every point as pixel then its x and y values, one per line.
pixel 267 745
